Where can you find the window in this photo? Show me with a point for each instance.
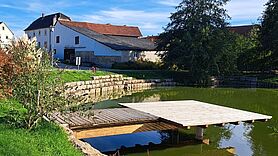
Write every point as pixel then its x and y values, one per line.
pixel 54 51
pixel 45 33
pixel 7 37
pixel 57 39
pixel 39 33
pixel 3 28
pixel 34 34
pixel 29 37
pixel 77 40
pixel 39 44
pixel 45 44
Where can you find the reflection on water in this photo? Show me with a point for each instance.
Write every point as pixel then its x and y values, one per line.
pixel 115 143
pixel 240 139
pixel 257 139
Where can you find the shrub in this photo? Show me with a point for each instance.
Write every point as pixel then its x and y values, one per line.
pixel 31 85
pixel 137 65
pixel 8 71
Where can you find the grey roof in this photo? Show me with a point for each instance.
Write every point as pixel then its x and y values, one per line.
pixel 45 21
pixel 117 42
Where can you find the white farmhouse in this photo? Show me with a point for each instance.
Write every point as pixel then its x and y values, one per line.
pixel 43 27
pixel 6 35
pixel 101 44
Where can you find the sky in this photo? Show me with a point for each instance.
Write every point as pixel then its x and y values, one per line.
pixel 149 15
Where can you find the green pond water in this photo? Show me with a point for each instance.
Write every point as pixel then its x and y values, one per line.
pixel 258 139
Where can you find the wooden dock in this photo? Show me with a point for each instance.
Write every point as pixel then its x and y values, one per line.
pixel 192 113
pixel 107 122
pixel 140 117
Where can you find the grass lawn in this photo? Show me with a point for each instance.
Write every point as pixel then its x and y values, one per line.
pixel 81 75
pixel 46 139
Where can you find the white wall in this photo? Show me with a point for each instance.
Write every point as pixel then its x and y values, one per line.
pixel 42 36
pixel 67 39
pixel 151 56
pixel 4 34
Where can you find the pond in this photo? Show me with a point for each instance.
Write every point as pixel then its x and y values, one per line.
pixel 247 139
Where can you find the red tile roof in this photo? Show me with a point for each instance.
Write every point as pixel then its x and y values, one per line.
pixel 106 29
pixel 154 39
pixel 242 30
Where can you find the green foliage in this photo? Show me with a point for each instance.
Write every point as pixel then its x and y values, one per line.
pixel 194 38
pixel 45 139
pixel 269 34
pixel 137 65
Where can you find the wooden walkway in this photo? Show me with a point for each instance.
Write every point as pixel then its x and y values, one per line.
pixel 103 118
pixel 196 114
pixel 107 122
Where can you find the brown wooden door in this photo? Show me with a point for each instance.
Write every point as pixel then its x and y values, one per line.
pixel 69 55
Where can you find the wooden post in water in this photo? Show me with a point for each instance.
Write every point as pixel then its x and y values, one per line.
pixel 199 133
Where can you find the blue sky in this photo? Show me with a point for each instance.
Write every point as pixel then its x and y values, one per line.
pixel 150 15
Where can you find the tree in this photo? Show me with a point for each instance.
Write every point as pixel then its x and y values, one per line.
pixel 269 34
pixel 195 38
pixel 250 57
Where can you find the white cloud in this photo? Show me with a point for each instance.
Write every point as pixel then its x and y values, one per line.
pixel 245 12
pixel 172 3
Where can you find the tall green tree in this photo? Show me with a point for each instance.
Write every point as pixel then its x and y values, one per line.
pixel 269 34
pixel 195 37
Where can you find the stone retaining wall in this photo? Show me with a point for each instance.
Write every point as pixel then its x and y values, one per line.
pixel 105 86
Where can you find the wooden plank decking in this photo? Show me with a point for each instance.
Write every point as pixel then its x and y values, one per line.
pixel 194 113
pixel 103 118
pixel 107 122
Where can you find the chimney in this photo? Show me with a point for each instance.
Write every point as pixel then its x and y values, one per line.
pixel 42 14
pixel 55 19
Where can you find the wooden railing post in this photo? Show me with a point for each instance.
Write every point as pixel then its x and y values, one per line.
pixel 199 133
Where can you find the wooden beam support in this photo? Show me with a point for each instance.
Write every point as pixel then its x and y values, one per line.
pixel 199 133
pixel 263 120
pixel 221 125
pixel 204 126
pixel 235 123
pixel 250 121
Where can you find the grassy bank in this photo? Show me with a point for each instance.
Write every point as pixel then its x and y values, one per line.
pixel 79 75
pixel 46 139
pixel 85 75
